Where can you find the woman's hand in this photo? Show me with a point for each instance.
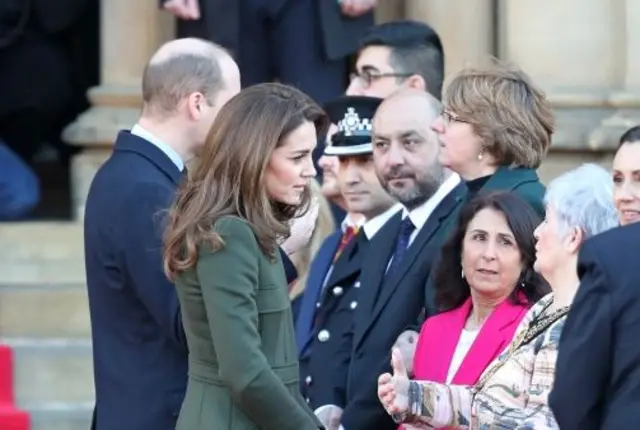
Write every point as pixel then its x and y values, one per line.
pixel 356 8
pixel 406 344
pixel 183 9
pixel 393 390
pixel 301 230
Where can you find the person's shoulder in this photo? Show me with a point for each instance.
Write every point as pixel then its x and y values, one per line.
pixel 618 237
pixel 235 231
pixel 232 225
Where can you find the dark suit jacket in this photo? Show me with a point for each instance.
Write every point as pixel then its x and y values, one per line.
pixel 220 23
pixel 597 380
pixel 318 269
pixel 243 367
pixel 139 346
pixel 324 363
pixel 399 303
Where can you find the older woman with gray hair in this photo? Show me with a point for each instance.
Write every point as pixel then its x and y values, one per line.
pixel 513 391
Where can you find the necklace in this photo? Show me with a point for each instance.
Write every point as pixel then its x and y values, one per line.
pixel 537 326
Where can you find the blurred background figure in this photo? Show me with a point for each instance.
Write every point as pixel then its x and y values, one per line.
pixel 19 187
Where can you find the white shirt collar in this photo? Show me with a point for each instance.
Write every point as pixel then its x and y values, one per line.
pixel 420 215
pixel 349 222
pixel 140 131
pixel 372 226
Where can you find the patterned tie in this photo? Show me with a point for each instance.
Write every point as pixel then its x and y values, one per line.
pixel 349 233
pixel 402 243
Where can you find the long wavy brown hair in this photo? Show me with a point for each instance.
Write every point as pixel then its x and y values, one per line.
pixel 229 176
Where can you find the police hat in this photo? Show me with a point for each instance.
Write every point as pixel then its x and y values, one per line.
pixel 353 115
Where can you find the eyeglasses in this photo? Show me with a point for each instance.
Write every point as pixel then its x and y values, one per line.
pixel 449 119
pixel 367 78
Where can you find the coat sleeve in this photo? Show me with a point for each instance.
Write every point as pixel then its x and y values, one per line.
pixel 229 282
pixel 142 218
pixel 442 406
pixel 584 349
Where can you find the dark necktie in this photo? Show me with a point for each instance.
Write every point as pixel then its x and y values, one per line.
pixel 402 243
pixel 349 233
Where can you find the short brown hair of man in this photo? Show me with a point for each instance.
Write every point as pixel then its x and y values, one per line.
pixel 175 72
pixel 509 113
pixel 229 178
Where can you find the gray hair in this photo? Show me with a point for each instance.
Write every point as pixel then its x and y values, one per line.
pixel 583 198
pixel 168 82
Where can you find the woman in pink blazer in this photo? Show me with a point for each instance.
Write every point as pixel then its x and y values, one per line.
pixel 484 285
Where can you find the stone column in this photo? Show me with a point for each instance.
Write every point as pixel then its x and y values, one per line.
pixel 130 32
pixel 571 49
pixel 625 100
pixel 465 27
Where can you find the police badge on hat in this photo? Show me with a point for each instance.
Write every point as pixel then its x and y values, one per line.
pixel 353 115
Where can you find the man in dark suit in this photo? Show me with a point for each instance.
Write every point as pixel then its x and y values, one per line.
pixel 139 346
pixel 305 43
pixel 331 295
pixel 400 256
pixel 597 378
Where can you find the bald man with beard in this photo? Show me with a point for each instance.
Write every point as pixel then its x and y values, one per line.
pixel 400 256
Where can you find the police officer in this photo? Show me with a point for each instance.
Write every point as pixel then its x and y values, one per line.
pixel 331 295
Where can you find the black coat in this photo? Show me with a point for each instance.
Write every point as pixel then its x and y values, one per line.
pixel 220 19
pixel 597 379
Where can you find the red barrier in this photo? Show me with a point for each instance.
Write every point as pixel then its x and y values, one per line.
pixel 11 418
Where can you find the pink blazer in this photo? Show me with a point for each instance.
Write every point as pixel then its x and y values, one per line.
pixel 440 334
pixel 439 337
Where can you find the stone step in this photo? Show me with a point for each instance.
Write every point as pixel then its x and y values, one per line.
pixel 44 311
pixel 75 416
pixel 42 253
pixel 51 371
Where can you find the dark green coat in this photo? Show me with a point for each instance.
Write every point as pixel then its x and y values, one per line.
pixel 243 364
pixel 518 180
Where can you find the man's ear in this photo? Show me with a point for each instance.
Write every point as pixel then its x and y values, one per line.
pixel 417 82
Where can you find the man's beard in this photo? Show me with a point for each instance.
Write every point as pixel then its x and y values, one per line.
pixel 424 186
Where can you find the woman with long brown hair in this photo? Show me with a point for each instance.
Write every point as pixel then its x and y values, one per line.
pixel 221 249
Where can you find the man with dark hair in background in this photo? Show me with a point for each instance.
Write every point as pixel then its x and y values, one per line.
pixel 399 54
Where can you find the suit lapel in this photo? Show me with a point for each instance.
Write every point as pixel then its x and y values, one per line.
pixel 416 248
pixel 127 142
pixel 317 273
pixel 350 261
pixel 375 260
pixel 494 336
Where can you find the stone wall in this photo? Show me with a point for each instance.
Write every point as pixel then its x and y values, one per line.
pixel 579 51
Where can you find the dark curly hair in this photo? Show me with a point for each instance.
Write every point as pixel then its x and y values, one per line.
pixel 451 289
